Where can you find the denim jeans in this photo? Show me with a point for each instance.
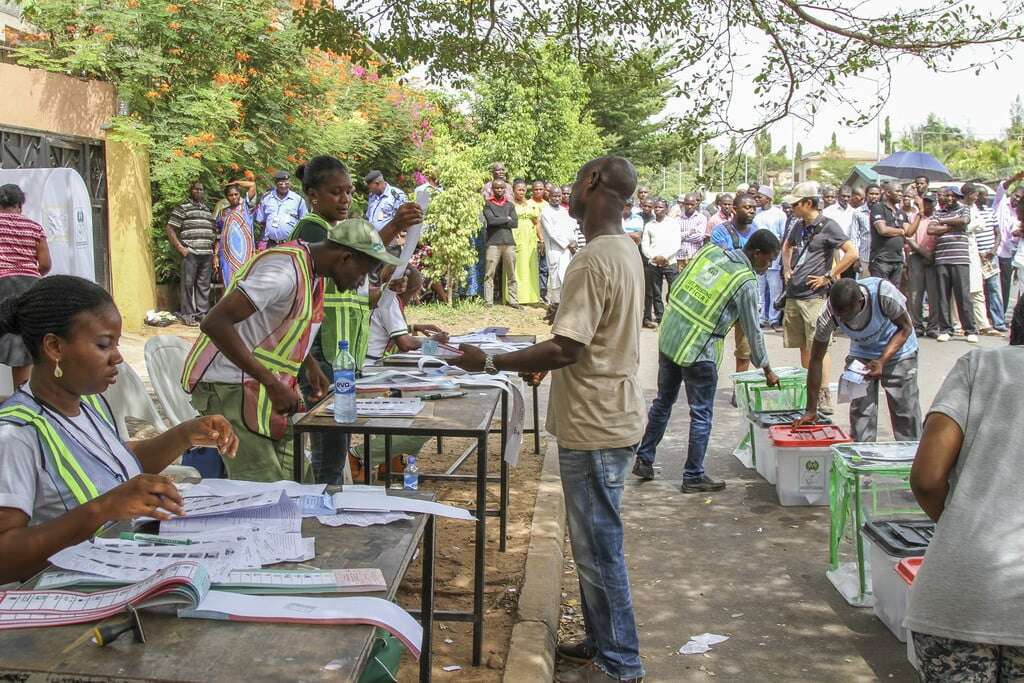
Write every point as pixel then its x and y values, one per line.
pixel 994 301
pixel 769 287
pixel 593 482
pixel 701 381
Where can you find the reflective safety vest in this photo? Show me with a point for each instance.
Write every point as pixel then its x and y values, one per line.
pixel 281 351
pixel 78 474
pixel 696 303
pixel 870 341
pixel 346 313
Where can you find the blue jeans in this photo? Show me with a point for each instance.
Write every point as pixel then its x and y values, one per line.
pixel 701 381
pixel 994 299
pixel 769 287
pixel 592 482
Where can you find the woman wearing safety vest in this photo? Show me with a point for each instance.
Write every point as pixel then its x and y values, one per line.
pixel 346 312
pixel 64 472
pixel 246 362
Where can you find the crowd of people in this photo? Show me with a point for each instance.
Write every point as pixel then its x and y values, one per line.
pixel 308 280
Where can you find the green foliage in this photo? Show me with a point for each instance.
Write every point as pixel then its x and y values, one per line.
pixel 965 156
pixel 536 124
pixel 221 90
pixel 454 212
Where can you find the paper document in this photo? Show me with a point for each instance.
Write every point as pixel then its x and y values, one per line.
pixel 362 519
pixel 473 338
pixel 853 383
pixel 362 502
pixel 132 562
pixel 388 407
pixel 511 385
pixel 282 516
pixel 237 487
pixel 300 610
pixel 275 581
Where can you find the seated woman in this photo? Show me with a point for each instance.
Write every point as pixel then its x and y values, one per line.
pixel 63 471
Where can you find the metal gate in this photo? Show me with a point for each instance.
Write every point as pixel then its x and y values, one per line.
pixel 20 148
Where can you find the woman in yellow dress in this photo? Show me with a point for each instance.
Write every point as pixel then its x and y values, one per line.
pixel 527 273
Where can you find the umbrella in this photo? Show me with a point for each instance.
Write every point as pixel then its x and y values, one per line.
pixel 908 165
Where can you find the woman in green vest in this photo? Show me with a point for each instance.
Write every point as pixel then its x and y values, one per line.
pixel 64 472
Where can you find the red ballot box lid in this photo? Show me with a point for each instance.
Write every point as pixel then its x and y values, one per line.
pixel 810 436
pixel 907 568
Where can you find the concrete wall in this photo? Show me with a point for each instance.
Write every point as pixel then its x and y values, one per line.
pixel 41 100
pixel 129 214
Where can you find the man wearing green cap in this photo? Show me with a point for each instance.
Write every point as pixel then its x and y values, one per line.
pixel 254 341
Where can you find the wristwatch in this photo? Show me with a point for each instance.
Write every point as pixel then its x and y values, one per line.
pixel 489 367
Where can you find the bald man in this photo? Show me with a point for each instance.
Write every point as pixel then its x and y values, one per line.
pixel 595 411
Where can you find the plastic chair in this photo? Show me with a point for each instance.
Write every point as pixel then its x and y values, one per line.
pixel 165 358
pixel 128 398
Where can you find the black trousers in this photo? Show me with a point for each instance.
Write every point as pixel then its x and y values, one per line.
pixel 196 272
pixel 654 305
pixel 921 280
pixel 955 281
pixel 893 272
pixel 1006 279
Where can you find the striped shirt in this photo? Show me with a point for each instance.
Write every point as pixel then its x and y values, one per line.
pixel 195 226
pixel 19 240
pixel 952 248
pixel 691 234
pixel 986 237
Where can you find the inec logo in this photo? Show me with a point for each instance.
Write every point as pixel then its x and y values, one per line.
pixel 707 276
pixel 812 466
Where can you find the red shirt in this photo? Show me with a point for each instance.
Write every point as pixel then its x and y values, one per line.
pixel 19 239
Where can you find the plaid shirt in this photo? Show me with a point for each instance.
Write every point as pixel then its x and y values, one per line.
pixel 691 233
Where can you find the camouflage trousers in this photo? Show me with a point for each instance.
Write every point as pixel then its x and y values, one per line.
pixel 960 661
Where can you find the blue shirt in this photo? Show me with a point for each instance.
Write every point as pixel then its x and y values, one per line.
pixel 721 236
pixel 634 223
pixel 280 214
pixel 774 219
pixel 381 208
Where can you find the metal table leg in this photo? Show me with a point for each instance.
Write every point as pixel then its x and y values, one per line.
pixel 298 457
pixel 427 599
pixel 536 419
pixel 367 463
pixel 387 461
pixel 481 540
pixel 503 499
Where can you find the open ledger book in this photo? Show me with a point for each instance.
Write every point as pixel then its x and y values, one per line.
pixel 187 584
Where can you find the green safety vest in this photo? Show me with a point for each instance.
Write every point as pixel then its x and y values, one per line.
pixel 696 302
pixel 281 351
pixel 346 313
pixel 77 473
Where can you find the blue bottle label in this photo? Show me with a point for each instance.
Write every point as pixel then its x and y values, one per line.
pixel 344 381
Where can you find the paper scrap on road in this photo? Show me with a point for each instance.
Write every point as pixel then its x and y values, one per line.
pixel 698 645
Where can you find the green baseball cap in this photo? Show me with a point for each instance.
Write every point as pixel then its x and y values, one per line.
pixel 358 234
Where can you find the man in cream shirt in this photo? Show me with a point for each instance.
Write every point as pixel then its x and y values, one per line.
pixel 595 412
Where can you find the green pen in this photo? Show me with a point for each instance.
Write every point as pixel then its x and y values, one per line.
pixel 151 538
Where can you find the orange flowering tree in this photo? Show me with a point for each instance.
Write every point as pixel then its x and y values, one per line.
pixel 218 90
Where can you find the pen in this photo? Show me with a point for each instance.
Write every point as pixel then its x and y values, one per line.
pixel 151 538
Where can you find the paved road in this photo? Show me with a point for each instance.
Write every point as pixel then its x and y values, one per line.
pixel 738 563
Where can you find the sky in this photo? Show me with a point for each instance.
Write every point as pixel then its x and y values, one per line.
pixel 980 104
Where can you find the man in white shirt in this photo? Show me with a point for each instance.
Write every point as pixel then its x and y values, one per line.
pixel 769 283
pixel 660 246
pixel 558 228
pixel 860 232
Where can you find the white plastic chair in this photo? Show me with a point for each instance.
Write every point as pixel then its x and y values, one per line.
pixel 165 359
pixel 128 398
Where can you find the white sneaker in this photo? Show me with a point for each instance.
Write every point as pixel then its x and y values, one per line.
pixel 943 337
pixel 972 339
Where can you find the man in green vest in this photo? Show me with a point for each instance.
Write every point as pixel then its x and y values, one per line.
pixel 717 289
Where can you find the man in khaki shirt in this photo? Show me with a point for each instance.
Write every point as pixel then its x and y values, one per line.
pixel 595 411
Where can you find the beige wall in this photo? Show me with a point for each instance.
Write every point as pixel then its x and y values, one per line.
pixel 41 100
pixel 54 103
pixel 129 211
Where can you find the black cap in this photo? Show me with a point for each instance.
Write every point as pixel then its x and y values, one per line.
pixel 930 197
pixel 281 175
pixel 373 176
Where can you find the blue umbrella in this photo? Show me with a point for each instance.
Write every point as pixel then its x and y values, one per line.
pixel 909 165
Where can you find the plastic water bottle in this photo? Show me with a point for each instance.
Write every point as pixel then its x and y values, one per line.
pixel 411 478
pixel 344 385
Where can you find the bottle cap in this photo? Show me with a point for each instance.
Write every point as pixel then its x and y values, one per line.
pixel 343 345
pixel 410 459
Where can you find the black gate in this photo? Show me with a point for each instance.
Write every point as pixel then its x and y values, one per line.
pixel 20 148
